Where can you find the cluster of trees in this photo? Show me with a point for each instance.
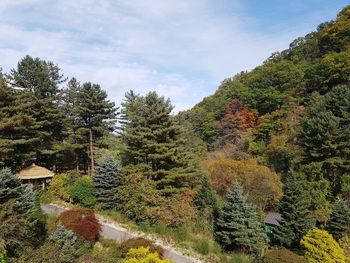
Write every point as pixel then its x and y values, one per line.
pixel 44 123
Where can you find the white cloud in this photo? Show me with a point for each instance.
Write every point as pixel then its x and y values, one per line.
pixel 182 49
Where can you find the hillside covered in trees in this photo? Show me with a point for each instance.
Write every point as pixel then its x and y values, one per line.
pixel 275 140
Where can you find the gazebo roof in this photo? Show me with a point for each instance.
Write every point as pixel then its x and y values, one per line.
pixel 273 218
pixel 34 172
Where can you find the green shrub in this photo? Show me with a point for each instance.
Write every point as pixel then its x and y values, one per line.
pixel 140 242
pixel 202 246
pixel 59 186
pixel 2 252
pixel 282 256
pixel 48 252
pixel 82 192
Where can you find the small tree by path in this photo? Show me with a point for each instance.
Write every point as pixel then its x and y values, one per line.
pixel 238 226
pixel 106 179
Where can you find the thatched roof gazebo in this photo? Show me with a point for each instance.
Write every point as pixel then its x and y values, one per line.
pixel 35 175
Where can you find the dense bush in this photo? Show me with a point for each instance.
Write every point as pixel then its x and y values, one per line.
pixel 143 255
pixel 140 242
pixel 282 256
pixel 82 191
pixel 82 222
pixel 48 252
pixel 59 186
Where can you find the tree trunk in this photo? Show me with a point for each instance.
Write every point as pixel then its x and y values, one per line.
pixel 91 150
pixel 76 162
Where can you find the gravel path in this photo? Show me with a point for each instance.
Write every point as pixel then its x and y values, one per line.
pixel 118 233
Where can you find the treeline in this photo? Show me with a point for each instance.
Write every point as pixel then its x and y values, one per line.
pixel 54 126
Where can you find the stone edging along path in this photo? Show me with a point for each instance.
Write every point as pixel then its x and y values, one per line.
pixel 115 231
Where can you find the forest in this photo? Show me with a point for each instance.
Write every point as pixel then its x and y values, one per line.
pixel 271 141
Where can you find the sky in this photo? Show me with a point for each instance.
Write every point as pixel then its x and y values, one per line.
pixel 182 49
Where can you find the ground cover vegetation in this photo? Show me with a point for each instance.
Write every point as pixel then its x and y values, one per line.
pixel 276 139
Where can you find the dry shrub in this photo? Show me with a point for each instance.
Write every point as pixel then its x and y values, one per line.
pixel 82 221
pixel 175 210
pixel 283 255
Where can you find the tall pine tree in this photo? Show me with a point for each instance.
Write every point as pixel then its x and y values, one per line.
pixel 297 218
pixel 95 116
pixel 106 179
pixel 155 143
pixel 41 80
pixel 325 134
pixel 19 134
pixel 238 226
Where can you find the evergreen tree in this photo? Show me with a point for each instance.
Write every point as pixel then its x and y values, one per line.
pixel 205 197
pixel 339 223
pixel 297 218
pixel 325 134
pixel 95 116
pixel 41 80
pixel 18 128
pixel 155 143
pixel 19 227
pixel 106 180
pixel 73 149
pixel 238 225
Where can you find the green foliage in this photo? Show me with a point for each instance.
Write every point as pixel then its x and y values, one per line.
pixel 320 247
pixel 205 199
pixel 94 114
pixel 154 143
pixel 40 79
pixel 2 252
pixel 339 223
pixel 81 191
pixel 21 223
pixel 106 180
pixel 325 134
pixel 59 186
pixel 297 218
pixel 282 255
pixel 138 200
pixel 238 225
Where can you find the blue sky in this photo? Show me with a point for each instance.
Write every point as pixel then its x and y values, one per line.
pixel 182 49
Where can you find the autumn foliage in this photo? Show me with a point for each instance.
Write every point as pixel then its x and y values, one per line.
pixel 237 117
pixel 81 221
pixel 263 186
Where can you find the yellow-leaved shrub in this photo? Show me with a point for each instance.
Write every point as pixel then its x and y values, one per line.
pixel 321 247
pixel 142 255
